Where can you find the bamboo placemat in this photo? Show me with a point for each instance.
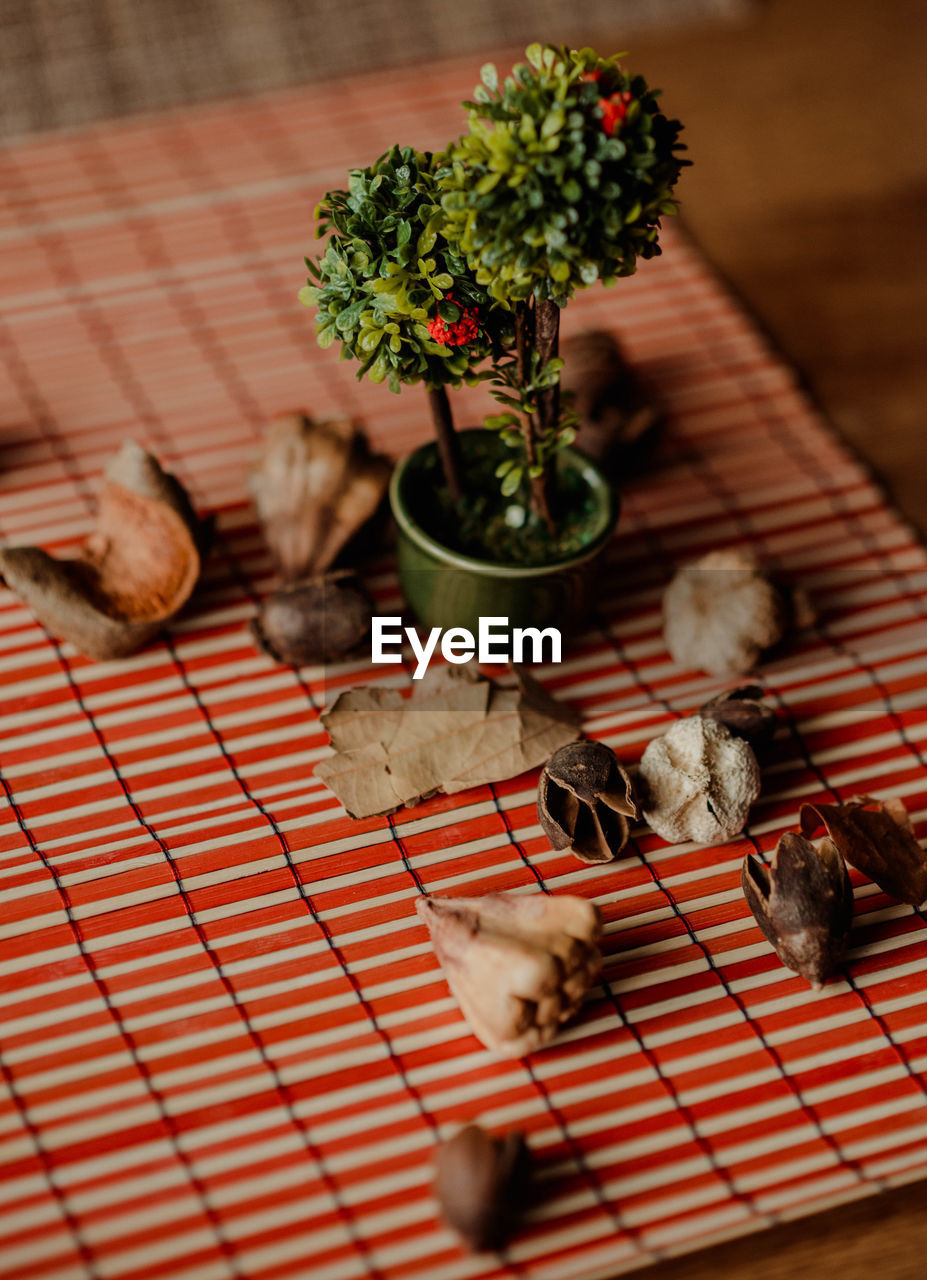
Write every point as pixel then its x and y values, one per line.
pixel 226 1046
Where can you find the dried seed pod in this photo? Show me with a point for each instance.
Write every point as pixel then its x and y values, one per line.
pixel 585 799
pixel 876 838
pixel 133 573
pixel 316 485
pixel 518 964
pixel 698 782
pixel 803 903
pixel 482 1183
pixel 315 621
pixel 721 613
pixel 742 712
pixel 617 418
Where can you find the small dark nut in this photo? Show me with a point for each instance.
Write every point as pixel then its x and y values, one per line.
pixel 315 621
pixel 803 902
pixel 585 799
pixel 743 714
pixel 481 1183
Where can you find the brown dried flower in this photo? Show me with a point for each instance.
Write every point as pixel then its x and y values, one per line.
pixel 518 964
pixel 803 903
pixel 698 782
pixel 617 417
pixel 721 613
pixel 585 799
pixel 133 573
pixel 315 621
pixel 743 713
pixel 482 1183
pixel 875 837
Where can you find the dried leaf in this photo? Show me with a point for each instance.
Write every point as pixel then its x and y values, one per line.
pixel 458 730
pixel 518 964
pixel 585 799
pixel 134 572
pixel 876 838
pixel 803 902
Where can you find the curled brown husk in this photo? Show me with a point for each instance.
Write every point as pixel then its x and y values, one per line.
pixel 743 713
pixel 315 621
pixel 133 573
pixel 876 838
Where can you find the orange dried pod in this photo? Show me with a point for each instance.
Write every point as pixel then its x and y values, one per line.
pixel 132 574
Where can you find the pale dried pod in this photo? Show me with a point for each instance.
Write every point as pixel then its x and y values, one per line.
pixel 132 574
pixel 803 903
pixel 482 1183
pixel 585 799
pixel 517 964
pixel 697 782
pixel 315 486
pixel 721 613
pixel 315 621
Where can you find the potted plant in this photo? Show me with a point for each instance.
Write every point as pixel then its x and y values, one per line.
pixel 560 182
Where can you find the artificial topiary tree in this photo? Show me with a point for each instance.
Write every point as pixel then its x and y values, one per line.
pixel 398 296
pixel 561 181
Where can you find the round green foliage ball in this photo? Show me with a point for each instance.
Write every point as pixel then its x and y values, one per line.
pixel 388 281
pixel 563 176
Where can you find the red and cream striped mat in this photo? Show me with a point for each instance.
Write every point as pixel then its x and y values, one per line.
pixel 226 1046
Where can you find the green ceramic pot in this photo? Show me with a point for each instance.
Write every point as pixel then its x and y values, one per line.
pixel 445 588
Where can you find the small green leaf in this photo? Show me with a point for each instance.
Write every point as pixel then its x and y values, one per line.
pixel 511 482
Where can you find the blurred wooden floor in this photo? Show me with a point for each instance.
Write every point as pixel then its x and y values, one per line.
pixel 808 128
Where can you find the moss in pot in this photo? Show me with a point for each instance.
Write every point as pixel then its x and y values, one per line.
pixel 560 181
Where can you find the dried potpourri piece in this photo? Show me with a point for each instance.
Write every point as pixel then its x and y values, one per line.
pixel 132 574
pixel 722 612
pixel 876 838
pixel 743 712
pixel 315 486
pixel 617 419
pixel 697 782
pixel 482 1184
pixel 518 964
pixel 803 902
pixel 315 621
pixel 585 799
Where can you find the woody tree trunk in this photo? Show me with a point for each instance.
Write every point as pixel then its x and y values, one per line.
pixel 531 325
pixel 448 447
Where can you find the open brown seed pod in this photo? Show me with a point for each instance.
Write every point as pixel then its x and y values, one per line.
pixel 482 1183
pixel 134 572
pixel 315 621
pixel 585 799
pixel 803 902
pixel 875 837
pixel 742 712
pixel 722 612
pixel 315 486
pixel 518 964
